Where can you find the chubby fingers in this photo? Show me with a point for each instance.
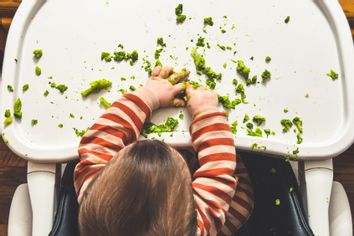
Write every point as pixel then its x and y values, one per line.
pixel 156 71
pixel 166 71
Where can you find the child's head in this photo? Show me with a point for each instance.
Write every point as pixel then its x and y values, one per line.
pixel 145 190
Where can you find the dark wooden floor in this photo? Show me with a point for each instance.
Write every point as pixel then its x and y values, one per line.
pixel 13 169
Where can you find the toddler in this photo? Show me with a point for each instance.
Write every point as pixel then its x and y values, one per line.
pixel 145 188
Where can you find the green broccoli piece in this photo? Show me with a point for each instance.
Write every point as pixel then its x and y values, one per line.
pixel 10 89
pixel 119 56
pixel 277 202
pixel 181 115
pixel 249 125
pixel 234 127
pixel 147 66
pixel 7 121
pixel 334 75
pixel 134 56
pixel 268 59
pixel 34 122
pixel 60 125
pixel 240 89
pixel 245 118
pixel 296 151
pixel 96 86
pixel 158 63
pixel 25 87
pixel 132 88
pixel 161 42
pixel 253 80
pixel 80 133
pixel 266 76
pixel 208 21
pixel 7 113
pixel 227 103
pixel 200 42
pixel 45 94
pixel 299 138
pixel 61 87
pixel 199 60
pixel 298 123
pixel 37 53
pixel 256 133
pixel 285 110
pixel 287 19
pixel 222 47
pixel 72 115
pixel 287 124
pixel 106 56
pixel 38 71
pixel 18 108
pixel 158 53
pixel 258 120
pixel 180 19
pixel 123 91
pixel 169 126
pixel 242 69
pixel 179 9
pixel 105 103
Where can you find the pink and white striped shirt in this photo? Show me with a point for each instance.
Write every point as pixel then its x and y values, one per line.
pixel 221 209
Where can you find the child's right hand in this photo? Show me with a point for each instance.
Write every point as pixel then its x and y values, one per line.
pixel 201 100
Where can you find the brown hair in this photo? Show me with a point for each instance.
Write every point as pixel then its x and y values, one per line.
pixel 145 190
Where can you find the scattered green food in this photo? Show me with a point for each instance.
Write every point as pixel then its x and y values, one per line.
pixel 80 133
pixel 179 13
pixel 158 53
pixel 296 151
pixel 72 115
pixel 234 127
pixel 252 80
pixel 10 89
pixel 123 91
pixel 106 56
pixel 287 19
pixel 105 103
pixel 266 76
pixel 34 122
pixel 96 86
pixel 249 125
pixel 46 93
pixel 299 139
pixel 242 69
pixel 287 124
pixel 208 21
pixel 169 126
pixel 132 88
pixel 268 59
pixel 181 115
pixel 8 118
pixel 38 71
pixel 61 87
pixel 298 123
pixel 37 53
pixel 18 108
pixel 277 202
pixel 334 75
pixel 161 42
pixel 200 42
pixel 246 118
pixel 227 103
pixel 60 125
pixel 258 120
pixel 256 133
pixel 285 110
pixel 25 87
pixel 259 147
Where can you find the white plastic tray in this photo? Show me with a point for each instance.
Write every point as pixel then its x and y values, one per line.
pixel 73 34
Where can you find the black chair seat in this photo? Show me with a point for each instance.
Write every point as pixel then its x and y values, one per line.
pixel 278 209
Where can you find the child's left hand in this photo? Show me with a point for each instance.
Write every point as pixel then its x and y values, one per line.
pixel 159 84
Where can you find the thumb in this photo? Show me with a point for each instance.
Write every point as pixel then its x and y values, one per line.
pixel 178 102
pixel 178 88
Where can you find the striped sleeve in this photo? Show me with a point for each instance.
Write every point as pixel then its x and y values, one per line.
pixel 119 126
pixel 214 183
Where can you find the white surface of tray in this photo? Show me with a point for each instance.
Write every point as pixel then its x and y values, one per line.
pixel 72 35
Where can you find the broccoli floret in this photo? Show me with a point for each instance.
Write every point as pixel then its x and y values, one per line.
pixel 258 120
pixel 119 56
pixel 60 125
pixel 123 91
pixel 296 151
pixel 7 121
pixel 249 125
pixel 299 139
pixel 298 123
pixel 10 89
pixel 18 108
pixel 37 53
pixel 287 19
pixel 25 87
pixel 157 53
pixel 256 133
pixel 181 115
pixel 61 87
pixel 199 60
pixel 208 21
pixel 105 103
pixel 227 103
pixel 38 71
pixel 180 19
pixel 179 9
pixel 132 88
pixel 240 89
pixel 96 86
pixel 72 115
pixel 268 59
pixel 147 66
pixel 285 110
pixel 169 126
pixel 253 80
pixel 134 56
pixel 266 76
pixel 287 124
pixel 161 42
pixel 106 56
pixel 334 75
pixel 7 113
pixel 245 118
pixel 158 63
pixel 212 74
pixel 242 69
pixel 234 127
pixel 80 133
pixel 200 42
pixel 34 122
pixel 45 93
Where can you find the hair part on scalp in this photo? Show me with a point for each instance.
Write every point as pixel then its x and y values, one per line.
pixel 144 191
